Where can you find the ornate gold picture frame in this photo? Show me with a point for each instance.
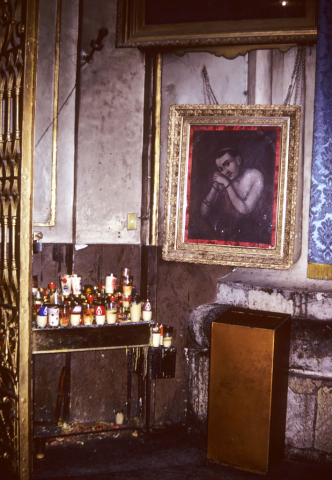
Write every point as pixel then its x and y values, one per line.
pixel 231 185
pixel 196 24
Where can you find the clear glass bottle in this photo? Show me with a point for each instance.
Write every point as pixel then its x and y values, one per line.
pixel 88 310
pixel 147 310
pixel 99 310
pixel 135 308
pixel 111 309
pixel 54 307
pixel 75 311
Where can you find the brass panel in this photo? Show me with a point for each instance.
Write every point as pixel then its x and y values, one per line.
pixel 248 389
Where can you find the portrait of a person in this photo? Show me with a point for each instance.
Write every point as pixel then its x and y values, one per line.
pixel 238 186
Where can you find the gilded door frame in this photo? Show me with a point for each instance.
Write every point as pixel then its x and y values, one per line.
pixel 28 126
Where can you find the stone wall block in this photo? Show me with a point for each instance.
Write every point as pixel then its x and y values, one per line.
pixel 233 295
pixel 311 347
pixel 306 386
pixel 270 301
pixel 323 431
pixel 299 303
pixel 300 420
pixel 199 364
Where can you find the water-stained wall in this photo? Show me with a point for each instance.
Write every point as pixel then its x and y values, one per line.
pixel 108 165
pixel 110 134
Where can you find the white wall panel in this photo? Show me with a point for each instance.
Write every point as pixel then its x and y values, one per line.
pixel 109 167
pixel 263 84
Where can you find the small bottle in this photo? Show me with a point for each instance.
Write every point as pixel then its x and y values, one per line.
pixel 99 310
pixel 101 289
pixel 41 313
pixel 88 310
pixel 65 313
pixel 37 299
pixel 54 308
pixel 110 283
pixel 156 335
pixel 52 292
pixel 111 309
pixel 168 333
pixel 161 334
pixel 75 311
pixel 135 308
pixel 126 302
pixel 147 310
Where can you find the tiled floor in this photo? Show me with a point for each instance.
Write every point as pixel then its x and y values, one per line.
pixel 171 454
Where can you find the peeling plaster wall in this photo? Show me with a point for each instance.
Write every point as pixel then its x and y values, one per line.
pixel 109 150
pixel 297 302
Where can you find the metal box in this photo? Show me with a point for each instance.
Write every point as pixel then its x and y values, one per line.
pixel 248 388
pixel 163 362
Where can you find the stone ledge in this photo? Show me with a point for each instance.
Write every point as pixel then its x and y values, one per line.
pixel 311 340
pixel 311 305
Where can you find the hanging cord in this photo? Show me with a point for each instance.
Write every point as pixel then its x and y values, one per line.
pixel 297 78
pixel 95 45
pixel 209 96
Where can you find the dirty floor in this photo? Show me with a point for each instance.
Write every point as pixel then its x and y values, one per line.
pixel 171 454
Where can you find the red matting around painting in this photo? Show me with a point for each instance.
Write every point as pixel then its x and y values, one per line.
pixel 201 128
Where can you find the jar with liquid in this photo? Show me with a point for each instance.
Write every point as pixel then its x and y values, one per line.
pixel 111 309
pixel 147 310
pixel 99 310
pixel 88 310
pixel 75 312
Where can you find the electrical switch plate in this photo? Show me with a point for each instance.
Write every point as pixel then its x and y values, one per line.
pixel 132 221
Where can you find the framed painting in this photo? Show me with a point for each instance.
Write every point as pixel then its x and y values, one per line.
pixel 231 185
pixel 214 23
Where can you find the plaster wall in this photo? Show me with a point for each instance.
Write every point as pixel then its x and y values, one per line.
pixel 55 121
pixel 97 145
pixel 109 142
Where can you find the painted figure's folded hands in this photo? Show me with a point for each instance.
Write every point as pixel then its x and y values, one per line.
pixel 244 186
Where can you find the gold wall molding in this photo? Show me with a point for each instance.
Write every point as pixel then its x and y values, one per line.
pixel 157 71
pixel 51 222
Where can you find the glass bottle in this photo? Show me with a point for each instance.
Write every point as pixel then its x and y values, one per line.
pixel 147 310
pixel 41 312
pixel 135 308
pixel 99 309
pixel 65 312
pixel 88 310
pixel 75 311
pixel 54 307
pixel 52 291
pixel 111 309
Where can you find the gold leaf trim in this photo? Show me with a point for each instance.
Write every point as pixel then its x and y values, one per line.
pixel 319 271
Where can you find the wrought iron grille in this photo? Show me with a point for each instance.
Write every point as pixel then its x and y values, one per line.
pixel 12 30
